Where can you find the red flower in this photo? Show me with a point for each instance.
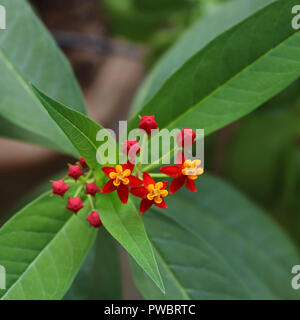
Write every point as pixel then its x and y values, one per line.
pixel 75 204
pixel 185 138
pixel 151 193
pixel 83 163
pixel 94 219
pixel 91 188
pixel 184 173
pixel 148 123
pixel 59 187
pixel 75 171
pixel 120 179
pixel 131 148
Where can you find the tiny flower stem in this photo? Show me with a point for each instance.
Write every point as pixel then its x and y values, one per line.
pixel 70 181
pixel 78 191
pixel 158 175
pixel 91 202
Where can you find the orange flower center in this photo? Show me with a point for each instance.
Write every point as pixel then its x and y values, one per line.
pixel 156 192
pixel 120 176
pixel 192 169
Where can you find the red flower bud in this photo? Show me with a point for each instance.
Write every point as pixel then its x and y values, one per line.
pixel 131 148
pixel 83 163
pixel 75 171
pixel 91 188
pixel 75 204
pixel 185 138
pixel 94 219
pixel 60 187
pixel 148 123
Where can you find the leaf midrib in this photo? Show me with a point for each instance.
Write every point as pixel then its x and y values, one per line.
pixel 198 104
pixel 192 108
pixel 212 248
pixel 139 250
pixel 20 78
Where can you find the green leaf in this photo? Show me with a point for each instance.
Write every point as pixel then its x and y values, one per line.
pixel 130 231
pixel 42 247
pixel 224 67
pixel 29 54
pixel 126 225
pixel 80 129
pixel 216 244
pixel 100 276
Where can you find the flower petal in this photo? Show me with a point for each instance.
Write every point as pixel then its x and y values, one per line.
pixel 180 157
pixel 128 165
pixel 162 205
pixel 123 193
pixel 109 187
pixel 190 184
pixel 145 205
pixel 165 184
pixel 171 171
pixel 108 170
pixel 148 179
pixel 140 192
pixel 177 183
pixel 134 181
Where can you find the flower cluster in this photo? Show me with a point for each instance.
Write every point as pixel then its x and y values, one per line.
pixel 79 175
pixel 130 178
pixel 126 178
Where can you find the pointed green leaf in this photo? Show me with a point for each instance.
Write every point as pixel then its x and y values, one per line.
pixel 100 275
pixel 29 54
pixel 129 232
pixel 224 67
pixel 125 224
pixel 216 244
pixel 42 248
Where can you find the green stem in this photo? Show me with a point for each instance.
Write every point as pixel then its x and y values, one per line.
pixel 78 191
pixel 158 175
pixel 91 201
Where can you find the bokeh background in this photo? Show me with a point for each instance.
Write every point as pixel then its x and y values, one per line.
pixel 112 44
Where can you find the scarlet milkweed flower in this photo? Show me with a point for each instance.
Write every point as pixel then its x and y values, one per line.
pixel 59 187
pixel 75 204
pixel 148 123
pixel 91 188
pixel 185 172
pixel 151 193
pixel 121 179
pixel 83 163
pixel 94 219
pixel 185 138
pixel 75 171
pixel 131 148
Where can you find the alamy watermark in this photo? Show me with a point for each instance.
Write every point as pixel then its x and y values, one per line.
pixel 296 279
pixel 158 148
pixel 2 278
pixel 296 19
pixel 2 18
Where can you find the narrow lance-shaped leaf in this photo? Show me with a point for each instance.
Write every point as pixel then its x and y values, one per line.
pixel 42 247
pixel 80 129
pixel 29 54
pixel 122 221
pixel 100 275
pixel 224 67
pixel 125 224
pixel 218 245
